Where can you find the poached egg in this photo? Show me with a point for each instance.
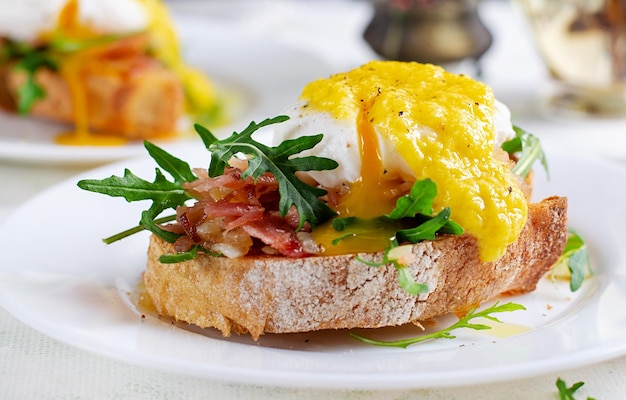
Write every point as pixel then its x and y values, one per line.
pixel 28 20
pixel 388 123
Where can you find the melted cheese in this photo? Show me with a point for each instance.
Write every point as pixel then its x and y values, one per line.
pixel 442 126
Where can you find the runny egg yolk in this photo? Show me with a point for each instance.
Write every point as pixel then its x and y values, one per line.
pixel 164 45
pixel 394 101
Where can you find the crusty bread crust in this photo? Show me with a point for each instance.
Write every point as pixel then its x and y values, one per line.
pixel 270 294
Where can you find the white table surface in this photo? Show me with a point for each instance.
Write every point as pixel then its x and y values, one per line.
pixel 35 366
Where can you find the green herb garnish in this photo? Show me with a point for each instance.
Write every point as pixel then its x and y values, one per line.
pixel 164 194
pixel 167 193
pixel 445 333
pixel 428 229
pixel 529 149
pixel 418 203
pixel 280 162
pixel 419 200
pixel 575 257
pixel 411 221
pixel 567 393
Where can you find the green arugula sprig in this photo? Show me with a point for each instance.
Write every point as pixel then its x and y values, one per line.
pixel 167 193
pixel 576 258
pixel 280 162
pixel 575 255
pixel 529 148
pixel 567 393
pixel 445 333
pixel 418 204
pixel 164 194
pixel 30 59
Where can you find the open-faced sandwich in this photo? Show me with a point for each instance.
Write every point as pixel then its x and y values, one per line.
pixel 111 67
pixel 394 193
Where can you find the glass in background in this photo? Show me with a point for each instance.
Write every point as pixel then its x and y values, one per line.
pixel 583 45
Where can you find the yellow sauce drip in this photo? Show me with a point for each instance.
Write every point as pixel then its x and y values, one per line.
pixel 81 135
pixel 71 69
pixel 200 96
pixel 442 125
pixel 371 185
pixel 164 43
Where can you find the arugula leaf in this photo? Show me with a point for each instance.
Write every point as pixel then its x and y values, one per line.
pixel 418 201
pixel 406 281
pixel 164 193
pixel 280 162
pixel 576 257
pixel 132 188
pixel 147 221
pixel 180 170
pixel 445 333
pixel 339 224
pixel 427 230
pixel 567 393
pixel 176 258
pixel 186 255
pixel 530 150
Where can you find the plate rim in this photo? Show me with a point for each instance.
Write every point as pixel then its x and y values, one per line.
pixel 314 379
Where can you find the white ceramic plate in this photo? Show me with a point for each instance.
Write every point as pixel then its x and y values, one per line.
pixel 259 76
pixel 57 276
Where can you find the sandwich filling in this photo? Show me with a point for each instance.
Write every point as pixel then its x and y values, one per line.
pixel 388 154
pixel 389 126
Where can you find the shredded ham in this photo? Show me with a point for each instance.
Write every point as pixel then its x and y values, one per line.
pixel 234 216
pixel 277 234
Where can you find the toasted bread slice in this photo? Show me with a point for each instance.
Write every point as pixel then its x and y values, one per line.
pixel 271 294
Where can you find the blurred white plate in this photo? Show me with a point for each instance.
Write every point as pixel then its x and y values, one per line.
pixel 57 276
pixel 261 77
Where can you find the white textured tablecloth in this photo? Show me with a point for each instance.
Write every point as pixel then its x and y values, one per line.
pixel 34 366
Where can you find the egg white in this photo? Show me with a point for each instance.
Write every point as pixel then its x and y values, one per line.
pixel 25 20
pixel 340 142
